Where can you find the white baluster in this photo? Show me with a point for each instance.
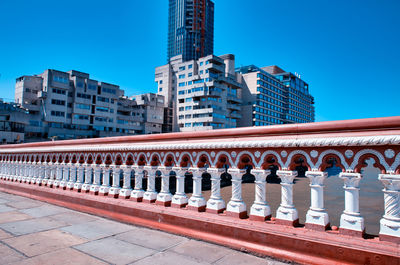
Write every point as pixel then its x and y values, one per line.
pixel 164 198
pixel 80 174
pixel 179 199
pixel 236 206
pixel 197 201
pixel 150 195
pixel 47 172
pixel 65 176
pixel 21 171
pixel 40 173
pixel 52 176
pixel 95 187
pixel 390 222
pixel 27 171
pixel 126 190
pixel 287 213
pixel 115 188
pixel 88 177
pixel 105 187
pixel 72 176
pixel 215 204
pixel 137 193
pixel 59 172
pixel 260 210
pixel 317 218
pixel 351 221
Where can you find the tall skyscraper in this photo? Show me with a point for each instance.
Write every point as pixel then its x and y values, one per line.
pixel 190 29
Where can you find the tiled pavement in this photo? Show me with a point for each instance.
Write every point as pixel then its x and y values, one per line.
pixel 34 232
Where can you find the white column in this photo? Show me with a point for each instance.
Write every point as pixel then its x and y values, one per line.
pixel 287 213
pixel 88 177
pixel 30 172
pixel 105 187
pixel 179 199
pixel 390 222
pixel 27 171
pixel 79 175
pixel 95 187
pixel 236 206
pixel 150 195
pixel 47 172
pixel 72 176
pixel 164 198
pixel 197 201
pixel 115 188
pixel 137 193
pixel 59 173
pixel 125 192
pixel 317 218
pixel 52 175
pixel 40 173
pixel 260 210
pixel 17 171
pixel 65 176
pixel 21 172
pixel 215 204
pixel 351 221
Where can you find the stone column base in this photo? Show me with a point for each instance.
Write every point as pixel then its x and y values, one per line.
pixel 389 231
pixel 70 185
pixel 287 216
pixel 351 225
pixel 78 187
pixel 86 187
pixel 164 199
pixel 215 206
pixel 317 220
pixel 197 204
pixel 63 184
pixel 125 193
pixel 150 196
pixel 236 209
pixel 103 191
pixel 179 201
pixel 113 192
pixel 137 195
pixel 94 189
pixel 260 212
pixel 56 183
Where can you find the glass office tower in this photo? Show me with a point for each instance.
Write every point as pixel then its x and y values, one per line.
pixel 190 29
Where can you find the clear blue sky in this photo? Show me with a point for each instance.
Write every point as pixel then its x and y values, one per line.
pixel 348 51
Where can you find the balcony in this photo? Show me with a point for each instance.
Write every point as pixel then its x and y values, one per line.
pixel 107 177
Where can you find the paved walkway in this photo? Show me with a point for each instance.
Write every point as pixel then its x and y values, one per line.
pixel 34 232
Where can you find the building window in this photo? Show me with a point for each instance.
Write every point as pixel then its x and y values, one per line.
pixel 190 66
pixel 58 91
pixel 103 99
pixel 57 113
pixel 181 76
pixel 58 102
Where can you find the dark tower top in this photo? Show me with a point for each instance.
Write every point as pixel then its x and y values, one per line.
pixel 190 29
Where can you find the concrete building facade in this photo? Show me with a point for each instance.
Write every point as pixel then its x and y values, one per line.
pixel 274 96
pixel 13 120
pixel 200 94
pixel 71 105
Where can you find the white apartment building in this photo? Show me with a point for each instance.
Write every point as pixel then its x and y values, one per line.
pixel 71 105
pixel 274 96
pixel 201 94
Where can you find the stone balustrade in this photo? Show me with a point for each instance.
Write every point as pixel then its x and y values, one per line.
pixel 119 168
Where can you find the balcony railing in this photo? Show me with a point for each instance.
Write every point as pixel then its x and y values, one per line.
pixel 98 166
